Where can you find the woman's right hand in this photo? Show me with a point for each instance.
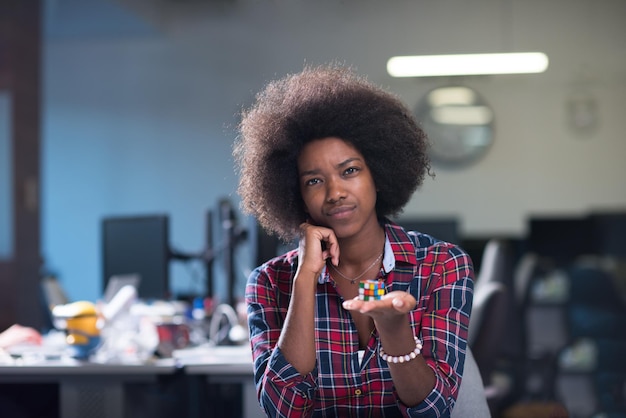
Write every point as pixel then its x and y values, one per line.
pixel 316 245
pixel 297 337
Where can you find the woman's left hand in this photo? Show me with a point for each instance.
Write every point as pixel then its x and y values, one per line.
pixel 391 305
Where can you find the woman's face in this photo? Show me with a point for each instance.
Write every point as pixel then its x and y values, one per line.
pixel 337 186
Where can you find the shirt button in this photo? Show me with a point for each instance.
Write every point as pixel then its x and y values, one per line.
pixel 358 392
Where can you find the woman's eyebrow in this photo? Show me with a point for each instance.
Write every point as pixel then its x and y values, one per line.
pixel 344 163
pixel 349 161
pixel 309 172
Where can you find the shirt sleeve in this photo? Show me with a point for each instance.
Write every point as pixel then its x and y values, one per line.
pixel 444 307
pixel 281 390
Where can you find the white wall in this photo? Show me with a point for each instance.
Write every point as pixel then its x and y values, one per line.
pixel 142 121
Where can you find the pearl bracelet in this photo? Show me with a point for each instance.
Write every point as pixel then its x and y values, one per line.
pixel 404 358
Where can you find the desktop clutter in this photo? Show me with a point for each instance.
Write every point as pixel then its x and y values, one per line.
pixel 127 330
pixel 132 324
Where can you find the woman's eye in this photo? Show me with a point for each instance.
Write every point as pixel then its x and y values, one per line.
pixel 351 170
pixel 311 182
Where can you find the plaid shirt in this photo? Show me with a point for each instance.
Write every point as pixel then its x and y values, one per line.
pixel 438 274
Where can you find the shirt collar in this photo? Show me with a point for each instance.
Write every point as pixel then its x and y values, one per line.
pixel 389 259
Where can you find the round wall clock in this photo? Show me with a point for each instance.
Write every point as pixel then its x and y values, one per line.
pixel 459 124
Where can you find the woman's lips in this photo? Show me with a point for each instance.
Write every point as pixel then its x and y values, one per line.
pixel 340 212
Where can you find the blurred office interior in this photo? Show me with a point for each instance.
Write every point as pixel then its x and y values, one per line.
pixel 128 108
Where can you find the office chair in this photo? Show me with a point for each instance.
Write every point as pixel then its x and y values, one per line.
pixel 527 268
pixel 491 318
pixel 472 400
pixel 494 263
pixel 490 310
pixel 486 332
pixel 496 267
pixel 487 325
pixel 594 354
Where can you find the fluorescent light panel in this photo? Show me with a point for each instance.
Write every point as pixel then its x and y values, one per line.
pixel 467 64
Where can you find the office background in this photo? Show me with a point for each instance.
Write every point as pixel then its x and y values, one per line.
pixel 140 101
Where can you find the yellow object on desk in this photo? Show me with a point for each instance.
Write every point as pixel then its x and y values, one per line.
pixel 80 320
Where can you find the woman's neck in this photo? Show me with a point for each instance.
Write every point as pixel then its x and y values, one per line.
pixel 363 248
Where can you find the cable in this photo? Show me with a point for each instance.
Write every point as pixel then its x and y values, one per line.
pixel 233 332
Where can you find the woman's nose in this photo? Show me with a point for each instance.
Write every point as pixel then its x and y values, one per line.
pixel 334 191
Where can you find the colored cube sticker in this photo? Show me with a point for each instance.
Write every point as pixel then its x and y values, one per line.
pixel 371 289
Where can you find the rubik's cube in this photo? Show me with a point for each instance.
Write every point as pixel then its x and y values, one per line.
pixel 371 289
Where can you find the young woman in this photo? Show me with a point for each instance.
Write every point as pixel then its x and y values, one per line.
pixel 328 157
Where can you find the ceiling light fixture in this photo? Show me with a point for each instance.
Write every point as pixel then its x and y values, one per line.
pixel 467 64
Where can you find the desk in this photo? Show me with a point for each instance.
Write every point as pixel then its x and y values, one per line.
pixel 190 380
pixel 223 365
pixel 88 389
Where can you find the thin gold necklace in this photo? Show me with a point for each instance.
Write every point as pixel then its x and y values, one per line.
pixel 353 281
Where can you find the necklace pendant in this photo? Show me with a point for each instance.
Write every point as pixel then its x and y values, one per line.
pixel 355 279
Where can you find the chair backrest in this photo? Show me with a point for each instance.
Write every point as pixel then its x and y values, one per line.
pixel 487 325
pixel 472 400
pixel 525 271
pixel 494 262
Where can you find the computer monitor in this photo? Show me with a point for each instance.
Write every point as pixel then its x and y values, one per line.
pixel 138 245
pixel 269 245
pixel 560 238
pixel 609 234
